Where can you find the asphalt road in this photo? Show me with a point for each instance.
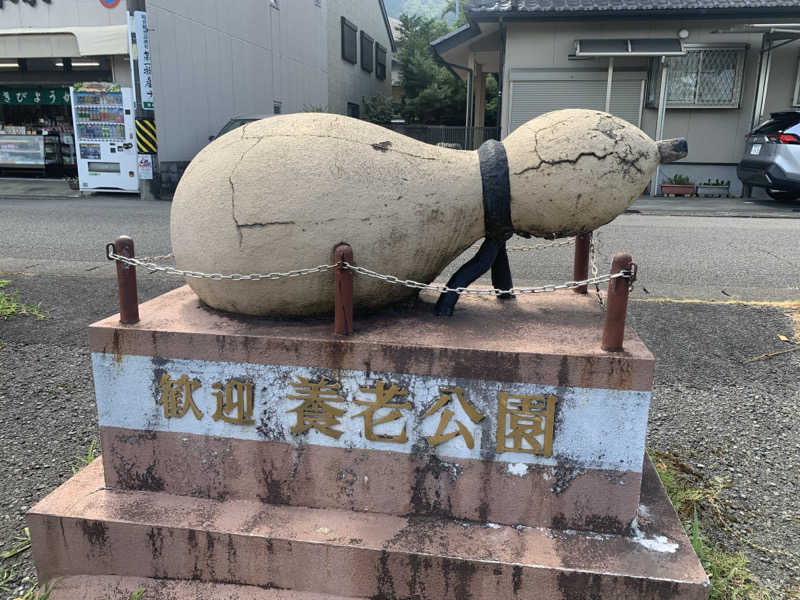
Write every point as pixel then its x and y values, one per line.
pixel 678 256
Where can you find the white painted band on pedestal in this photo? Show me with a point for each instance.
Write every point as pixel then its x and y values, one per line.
pixel 592 428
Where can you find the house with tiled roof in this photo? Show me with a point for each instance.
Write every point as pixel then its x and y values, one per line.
pixel 706 70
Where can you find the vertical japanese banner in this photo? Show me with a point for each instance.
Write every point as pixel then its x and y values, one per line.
pixel 132 55
pixel 144 58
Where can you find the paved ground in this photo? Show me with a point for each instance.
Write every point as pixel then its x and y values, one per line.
pixel 716 207
pixel 679 257
pixel 35 187
pixel 722 416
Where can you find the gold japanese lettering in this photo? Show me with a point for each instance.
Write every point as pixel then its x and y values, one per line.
pixel 383 399
pixel 176 396
pixel 445 395
pixel 314 412
pixel 523 419
pixel 234 402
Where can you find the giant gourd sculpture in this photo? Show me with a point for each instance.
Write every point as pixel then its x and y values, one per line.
pixel 279 194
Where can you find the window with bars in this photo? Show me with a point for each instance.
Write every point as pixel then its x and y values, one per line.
pixel 380 62
pixel 706 77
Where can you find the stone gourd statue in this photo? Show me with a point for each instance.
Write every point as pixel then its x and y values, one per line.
pixel 279 194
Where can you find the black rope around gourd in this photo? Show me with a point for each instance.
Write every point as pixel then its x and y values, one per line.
pixel 497 223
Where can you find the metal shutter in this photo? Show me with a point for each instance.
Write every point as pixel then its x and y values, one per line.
pixel 530 99
pixel 626 100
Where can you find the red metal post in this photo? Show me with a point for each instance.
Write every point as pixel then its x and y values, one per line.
pixel 580 265
pixel 616 304
pixel 126 282
pixel 343 291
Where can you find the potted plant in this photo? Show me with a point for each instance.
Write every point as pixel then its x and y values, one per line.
pixel 717 187
pixel 677 185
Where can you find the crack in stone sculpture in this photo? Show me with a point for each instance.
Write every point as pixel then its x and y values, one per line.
pixel 407 208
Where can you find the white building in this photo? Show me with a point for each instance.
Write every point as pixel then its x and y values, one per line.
pixel 211 61
pixel 44 48
pixel 726 66
pixel 360 48
pixel 216 60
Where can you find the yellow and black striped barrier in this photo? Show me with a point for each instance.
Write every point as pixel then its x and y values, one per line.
pixel 146 141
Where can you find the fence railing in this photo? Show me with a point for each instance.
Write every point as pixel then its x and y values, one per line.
pixel 463 138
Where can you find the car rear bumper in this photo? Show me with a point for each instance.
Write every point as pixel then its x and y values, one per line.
pixel 768 175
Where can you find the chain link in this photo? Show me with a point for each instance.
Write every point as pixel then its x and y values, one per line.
pixel 169 256
pixel 566 242
pixel 485 291
pixel 153 267
pixel 595 248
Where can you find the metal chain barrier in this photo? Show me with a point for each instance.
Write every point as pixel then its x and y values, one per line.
pixel 169 256
pixel 487 291
pixel 153 267
pixel 595 280
pixel 554 244
pixel 595 248
pixel 566 242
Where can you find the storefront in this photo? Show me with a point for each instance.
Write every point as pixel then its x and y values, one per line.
pixel 37 69
pixel 36 129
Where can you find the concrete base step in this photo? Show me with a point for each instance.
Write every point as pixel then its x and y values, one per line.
pixel 87 531
pixel 103 587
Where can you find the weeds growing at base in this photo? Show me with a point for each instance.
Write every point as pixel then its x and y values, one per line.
pixel 21 544
pixel 10 304
pixel 35 593
pixel 6 577
pixel 83 461
pixel 692 495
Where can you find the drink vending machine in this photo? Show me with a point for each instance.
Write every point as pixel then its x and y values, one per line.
pixel 105 136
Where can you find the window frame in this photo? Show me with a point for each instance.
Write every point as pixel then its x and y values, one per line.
pixel 654 78
pixel 367 58
pixel 349 25
pixel 378 49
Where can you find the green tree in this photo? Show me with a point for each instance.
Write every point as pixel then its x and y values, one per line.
pixel 432 94
pixel 424 8
pixel 491 101
pixel 379 109
pixel 455 8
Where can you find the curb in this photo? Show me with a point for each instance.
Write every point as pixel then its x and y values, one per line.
pixel 794 214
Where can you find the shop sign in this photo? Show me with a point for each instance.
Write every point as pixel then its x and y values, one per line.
pixel 96 87
pixel 32 96
pixel 144 58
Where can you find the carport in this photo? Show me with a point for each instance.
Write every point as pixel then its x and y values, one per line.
pixel 773 36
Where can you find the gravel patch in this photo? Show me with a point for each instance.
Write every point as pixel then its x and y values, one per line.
pixel 48 416
pixel 722 417
pixel 733 420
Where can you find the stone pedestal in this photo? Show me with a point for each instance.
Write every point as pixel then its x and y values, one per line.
pixel 495 454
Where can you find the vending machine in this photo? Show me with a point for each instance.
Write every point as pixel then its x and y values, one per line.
pixel 105 137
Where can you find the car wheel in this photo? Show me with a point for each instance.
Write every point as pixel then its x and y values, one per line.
pixel 782 195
